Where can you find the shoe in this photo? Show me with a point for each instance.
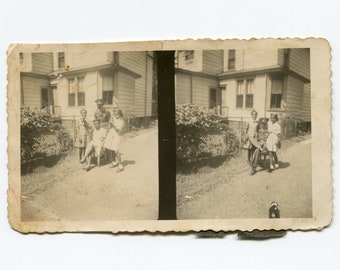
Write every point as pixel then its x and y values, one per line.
pixel 253 171
pixel 82 160
pixel 276 166
pixel 271 167
pixel 113 164
pixel 120 168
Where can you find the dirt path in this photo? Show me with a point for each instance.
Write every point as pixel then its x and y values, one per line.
pixel 245 196
pixel 101 193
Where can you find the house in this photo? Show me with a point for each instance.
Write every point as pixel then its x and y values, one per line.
pixel 66 82
pixel 236 81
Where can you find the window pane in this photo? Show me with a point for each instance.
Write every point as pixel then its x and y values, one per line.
pixel 81 84
pixel 189 55
pixel 108 97
pixel 231 59
pixel 71 100
pixel 277 86
pixel 71 86
pixel 239 101
pixel 250 86
pixel 249 101
pixel 275 101
pixel 107 82
pixel 240 87
pixel 81 99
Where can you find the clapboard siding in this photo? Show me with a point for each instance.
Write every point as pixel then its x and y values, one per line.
pixel 306 108
pixel 125 95
pixel 294 97
pixel 141 64
pixel 253 59
pixel 31 90
pixel 182 88
pixel 213 61
pixel 42 62
pixel 299 61
pixel 201 90
pixel 194 64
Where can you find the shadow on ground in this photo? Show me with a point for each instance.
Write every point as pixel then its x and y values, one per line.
pixel 193 167
pixel 42 161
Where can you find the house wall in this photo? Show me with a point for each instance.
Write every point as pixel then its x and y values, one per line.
pixel 125 95
pixel 195 64
pixel 141 64
pixel 42 63
pixel 182 88
pixel 91 82
pixel 200 86
pixel 26 64
pixel 229 99
pixel 252 59
pixel 306 104
pixel 212 61
pixel 31 90
pixel 294 97
pixel 299 61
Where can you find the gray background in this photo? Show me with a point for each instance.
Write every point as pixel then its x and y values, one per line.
pixel 79 21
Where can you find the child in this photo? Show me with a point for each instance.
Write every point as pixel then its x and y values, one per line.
pixel 274 130
pixel 83 131
pixel 250 134
pixel 112 141
pixel 95 145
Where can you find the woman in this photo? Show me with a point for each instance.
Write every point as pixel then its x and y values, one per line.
pixel 273 140
pixel 112 141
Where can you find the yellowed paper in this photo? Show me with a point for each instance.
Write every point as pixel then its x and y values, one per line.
pixel 51 191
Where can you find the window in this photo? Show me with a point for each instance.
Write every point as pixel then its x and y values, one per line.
pixel 231 59
pixel 276 93
pixel 61 60
pixel 81 92
pixel 71 93
pixel 108 89
pixel 239 95
pixel 189 55
pixel 249 93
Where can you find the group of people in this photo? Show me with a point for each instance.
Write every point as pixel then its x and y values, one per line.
pixel 262 139
pixel 103 140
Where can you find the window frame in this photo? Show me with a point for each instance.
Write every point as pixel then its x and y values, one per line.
pixel 61 60
pixel 274 97
pixel 231 59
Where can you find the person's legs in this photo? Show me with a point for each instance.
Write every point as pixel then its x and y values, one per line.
pixel 113 159
pixel 119 160
pixel 88 150
pixel 254 161
pixel 80 153
pixel 271 160
pixel 275 160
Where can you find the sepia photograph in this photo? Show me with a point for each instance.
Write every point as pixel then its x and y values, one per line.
pixel 170 136
pixel 88 135
pixel 243 133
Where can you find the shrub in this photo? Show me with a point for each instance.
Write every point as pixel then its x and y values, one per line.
pixel 40 136
pixel 201 133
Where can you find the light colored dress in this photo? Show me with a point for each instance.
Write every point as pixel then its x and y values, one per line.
pixel 112 141
pixel 251 132
pixel 274 131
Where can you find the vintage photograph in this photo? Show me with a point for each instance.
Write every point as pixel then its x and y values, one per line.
pixel 170 136
pixel 88 135
pixel 243 123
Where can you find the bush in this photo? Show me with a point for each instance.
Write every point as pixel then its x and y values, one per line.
pixel 40 136
pixel 201 133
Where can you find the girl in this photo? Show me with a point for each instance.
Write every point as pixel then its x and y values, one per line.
pixel 250 134
pixel 83 131
pixel 274 130
pixel 112 141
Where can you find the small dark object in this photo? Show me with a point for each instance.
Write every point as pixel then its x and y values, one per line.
pixel 260 235
pixel 274 211
pixel 279 145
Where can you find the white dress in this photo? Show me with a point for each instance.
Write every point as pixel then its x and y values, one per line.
pixel 273 138
pixel 112 140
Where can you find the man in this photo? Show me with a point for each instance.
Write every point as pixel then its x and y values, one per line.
pixel 102 115
pixel 259 143
pixel 95 145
